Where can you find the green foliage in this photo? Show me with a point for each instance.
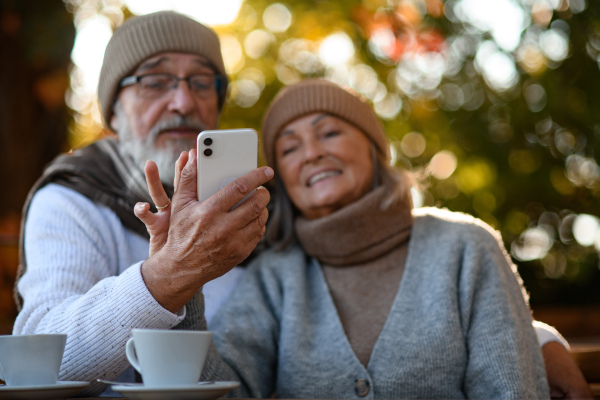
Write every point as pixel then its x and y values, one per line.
pixel 525 151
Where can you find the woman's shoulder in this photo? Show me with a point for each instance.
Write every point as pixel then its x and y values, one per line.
pixel 443 222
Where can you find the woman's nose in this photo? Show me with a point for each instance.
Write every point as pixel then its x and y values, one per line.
pixel 314 150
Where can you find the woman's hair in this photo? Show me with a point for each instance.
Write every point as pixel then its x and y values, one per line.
pixel 280 228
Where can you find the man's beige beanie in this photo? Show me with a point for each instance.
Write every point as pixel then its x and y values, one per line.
pixel 319 95
pixel 142 37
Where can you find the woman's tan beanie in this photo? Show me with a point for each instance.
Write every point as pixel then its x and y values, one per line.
pixel 142 37
pixel 319 95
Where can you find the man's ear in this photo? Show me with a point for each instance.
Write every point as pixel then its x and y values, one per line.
pixel 113 125
pixel 114 120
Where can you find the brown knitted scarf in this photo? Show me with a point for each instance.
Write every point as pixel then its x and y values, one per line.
pixel 362 250
pixel 102 173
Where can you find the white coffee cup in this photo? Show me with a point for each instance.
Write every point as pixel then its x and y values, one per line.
pixel 31 360
pixel 167 358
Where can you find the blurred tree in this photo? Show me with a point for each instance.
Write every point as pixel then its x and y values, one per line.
pixel 492 101
pixel 36 37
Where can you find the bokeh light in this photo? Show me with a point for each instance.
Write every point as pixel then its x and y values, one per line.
pixel 257 43
pixel 336 49
pixel 233 57
pixel 452 97
pixel 287 75
pixel 363 79
pixel 555 265
pixel 554 44
pixel 585 229
pixel 503 19
pixel 533 244
pixel 582 171
pixel 220 12
pixel 277 18
pixel 389 106
pixel 535 95
pixel 442 164
pixel 413 144
pixel 498 68
pixel 244 92
pixel 92 37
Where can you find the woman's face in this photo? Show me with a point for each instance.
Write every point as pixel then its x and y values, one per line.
pixel 324 162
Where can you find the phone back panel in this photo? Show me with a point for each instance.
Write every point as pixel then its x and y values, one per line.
pixel 227 155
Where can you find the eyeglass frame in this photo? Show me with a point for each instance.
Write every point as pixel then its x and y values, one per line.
pixel 220 81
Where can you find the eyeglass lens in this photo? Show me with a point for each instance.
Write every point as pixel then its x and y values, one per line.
pixel 157 85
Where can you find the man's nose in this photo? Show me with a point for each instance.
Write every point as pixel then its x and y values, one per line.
pixel 182 100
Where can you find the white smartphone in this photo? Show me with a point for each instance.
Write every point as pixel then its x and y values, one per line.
pixel 223 156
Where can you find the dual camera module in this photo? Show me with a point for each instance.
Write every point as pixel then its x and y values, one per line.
pixel 207 142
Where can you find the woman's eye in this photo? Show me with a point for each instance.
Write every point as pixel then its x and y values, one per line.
pixel 332 134
pixel 288 151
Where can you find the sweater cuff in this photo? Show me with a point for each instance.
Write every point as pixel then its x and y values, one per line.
pixel 545 334
pixel 135 307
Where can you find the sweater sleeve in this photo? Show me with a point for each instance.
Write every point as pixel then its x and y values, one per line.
pixel 72 285
pixel 504 358
pixel 546 334
pixel 246 335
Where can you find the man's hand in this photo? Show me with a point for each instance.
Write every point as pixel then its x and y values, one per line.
pixel 564 376
pixel 158 224
pixel 204 240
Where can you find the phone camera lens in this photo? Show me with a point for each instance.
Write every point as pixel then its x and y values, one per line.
pixel 208 152
pixel 208 142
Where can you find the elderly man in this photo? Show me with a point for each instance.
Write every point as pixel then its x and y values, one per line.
pixel 84 256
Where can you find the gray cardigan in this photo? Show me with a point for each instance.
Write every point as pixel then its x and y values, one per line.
pixel 459 327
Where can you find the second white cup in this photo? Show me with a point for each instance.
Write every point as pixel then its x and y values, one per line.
pixel 167 358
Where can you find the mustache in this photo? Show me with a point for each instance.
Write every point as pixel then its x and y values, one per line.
pixel 177 121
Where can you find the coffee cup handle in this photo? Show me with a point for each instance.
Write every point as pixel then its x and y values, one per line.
pixel 131 356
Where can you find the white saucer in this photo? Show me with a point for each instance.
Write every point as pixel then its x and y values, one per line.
pixel 60 390
pixel 203 391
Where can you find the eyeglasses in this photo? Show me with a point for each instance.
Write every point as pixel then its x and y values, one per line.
pixel 154 86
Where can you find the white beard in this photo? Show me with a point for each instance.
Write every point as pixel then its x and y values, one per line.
pixel 143 149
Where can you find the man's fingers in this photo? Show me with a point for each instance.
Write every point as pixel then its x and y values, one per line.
pixel 251 208
pixel 181 161
pixel 142 211
pixel 231 194
pixel 186 187
pixel 155 187
pixel 254 231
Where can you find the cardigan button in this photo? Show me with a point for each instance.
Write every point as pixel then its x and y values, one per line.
pixel 361 388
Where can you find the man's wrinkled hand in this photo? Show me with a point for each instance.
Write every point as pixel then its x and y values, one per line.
pixel 564 376
pixel 204 240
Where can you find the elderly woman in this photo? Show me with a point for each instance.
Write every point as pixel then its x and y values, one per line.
pixel 359 294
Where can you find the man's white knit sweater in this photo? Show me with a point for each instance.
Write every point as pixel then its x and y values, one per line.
pixel 83 279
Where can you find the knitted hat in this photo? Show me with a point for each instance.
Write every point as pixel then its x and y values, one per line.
pixel 318 95
pixel 142 37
